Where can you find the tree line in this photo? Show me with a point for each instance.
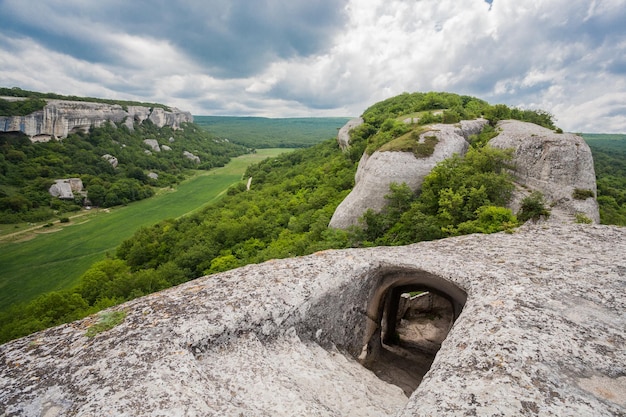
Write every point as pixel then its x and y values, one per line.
pixel 40 98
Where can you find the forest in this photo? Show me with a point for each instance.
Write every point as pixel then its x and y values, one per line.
pixel 609 157
pixel 262 132
pixel 286 213
pixel 27 170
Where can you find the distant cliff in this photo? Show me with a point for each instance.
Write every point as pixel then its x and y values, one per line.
pixel 59 118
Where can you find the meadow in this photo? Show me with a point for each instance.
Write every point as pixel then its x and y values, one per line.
pixel 38 259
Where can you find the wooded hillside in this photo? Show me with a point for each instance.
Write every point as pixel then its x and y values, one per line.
pixel 27 169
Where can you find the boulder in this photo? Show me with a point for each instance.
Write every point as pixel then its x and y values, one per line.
pixel 554 164
pixel 153 144
pixel 166 148
pixel 191 156
pixel 343 136
pixel 110 159
pixel 539 330
pixel 65 188
pixel 378 171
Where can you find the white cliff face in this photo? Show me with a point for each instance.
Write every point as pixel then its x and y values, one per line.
pixel 554 164
pixel 377 172
pixel 59 118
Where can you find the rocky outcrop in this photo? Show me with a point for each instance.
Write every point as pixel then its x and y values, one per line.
pixel 191 156
pixel 539 330
pixel 153 144
pixel 555 164
pixel 65 188
pixel 59 118
pixel 343 136
pixel 377 172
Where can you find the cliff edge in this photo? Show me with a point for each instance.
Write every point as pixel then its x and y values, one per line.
pixel 59 118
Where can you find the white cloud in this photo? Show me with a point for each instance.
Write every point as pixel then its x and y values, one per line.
pixel 564 56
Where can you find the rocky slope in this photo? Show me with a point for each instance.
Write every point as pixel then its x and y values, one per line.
pixel 540 330
pixel 378 171
pixel 59 118
pixel 554 164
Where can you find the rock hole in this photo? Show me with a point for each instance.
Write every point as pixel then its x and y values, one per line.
pixel 410 315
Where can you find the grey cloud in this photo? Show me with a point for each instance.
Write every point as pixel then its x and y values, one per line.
pixel 234 38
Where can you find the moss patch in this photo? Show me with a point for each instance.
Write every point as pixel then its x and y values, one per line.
pixel 410 142
pixel 106 321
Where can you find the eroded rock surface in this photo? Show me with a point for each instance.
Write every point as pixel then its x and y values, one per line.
pixel 377 172
pixel 555 164
pixel 542 332
pixel 343 136
pixel 59 118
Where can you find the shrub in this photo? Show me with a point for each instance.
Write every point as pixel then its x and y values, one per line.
pixel 582 219
pixel 533 207
pixel 582 194
pixel 64 219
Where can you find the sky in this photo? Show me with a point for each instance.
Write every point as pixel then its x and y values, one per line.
pixel 309 58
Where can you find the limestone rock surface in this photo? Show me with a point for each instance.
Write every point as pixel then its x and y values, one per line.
pixel 553 163
pixel 111 160
pixel 343 136
pixel 191 156
pixel 542 332
pixel 59 118
pixel 376 172
pixel 153 144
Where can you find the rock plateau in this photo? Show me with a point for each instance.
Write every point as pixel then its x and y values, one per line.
pixel 540 330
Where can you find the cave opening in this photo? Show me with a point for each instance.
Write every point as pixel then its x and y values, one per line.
pixel 410 315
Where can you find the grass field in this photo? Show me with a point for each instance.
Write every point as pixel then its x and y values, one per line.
pixel 38 260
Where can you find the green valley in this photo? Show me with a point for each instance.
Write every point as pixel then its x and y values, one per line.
pixel 53 258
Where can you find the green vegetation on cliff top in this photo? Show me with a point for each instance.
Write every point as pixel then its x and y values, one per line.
pixel 33 95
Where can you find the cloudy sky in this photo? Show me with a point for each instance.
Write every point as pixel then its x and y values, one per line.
pixel 284 58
